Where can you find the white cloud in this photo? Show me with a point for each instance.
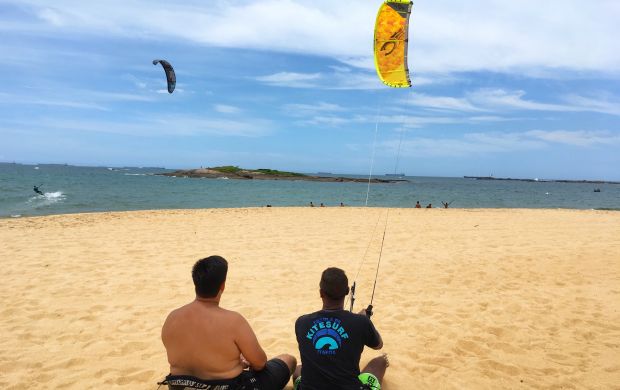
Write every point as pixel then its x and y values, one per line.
pixel 576 138
pixel 82 99
pixel 497 142
pixel 171 125
pixel 441 102
pixel 6 98
pixel 300 109
pixel 290 79
pixel 328 121
pixel 52 17
pixel 604 104
pixel 226 109
pixel 336 80
pixel 515 37
pixel 497 100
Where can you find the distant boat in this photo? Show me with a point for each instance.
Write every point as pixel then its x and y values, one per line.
pixel 597 190
pixel 395 174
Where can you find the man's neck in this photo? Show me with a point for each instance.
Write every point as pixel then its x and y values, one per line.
pixel 209 301
pixel 333 306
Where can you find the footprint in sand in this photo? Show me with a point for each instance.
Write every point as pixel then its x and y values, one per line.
pixel 469 348
pixel 136 377
pixel 499 367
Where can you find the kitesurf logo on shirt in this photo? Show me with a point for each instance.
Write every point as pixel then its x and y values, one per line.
pixel 327 335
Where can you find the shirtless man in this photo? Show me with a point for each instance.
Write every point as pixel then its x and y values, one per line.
pixel 209 345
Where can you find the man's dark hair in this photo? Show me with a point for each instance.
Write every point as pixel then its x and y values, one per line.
pixel 208 275
pixel 334 283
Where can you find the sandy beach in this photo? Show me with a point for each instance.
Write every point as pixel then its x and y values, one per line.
pixel 465 299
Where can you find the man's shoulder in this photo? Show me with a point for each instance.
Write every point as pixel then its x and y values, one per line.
pixel 193 308
pixel 307 317
pixel 234 316
pixel 304 317
pixel 341 314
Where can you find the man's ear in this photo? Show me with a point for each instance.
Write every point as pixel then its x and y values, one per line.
pixel 321 293
pixel 222 286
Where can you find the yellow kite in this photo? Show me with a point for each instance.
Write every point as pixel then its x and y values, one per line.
pixel 391 36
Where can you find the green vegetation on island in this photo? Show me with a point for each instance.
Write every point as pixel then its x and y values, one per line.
pixel 236 170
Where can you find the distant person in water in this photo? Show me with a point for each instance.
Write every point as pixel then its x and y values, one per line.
pixel 418 205
pixel 445 204
pixel 311 204
pixel 322 205
pixel 341 204
pixel 37 190
pixel 430 206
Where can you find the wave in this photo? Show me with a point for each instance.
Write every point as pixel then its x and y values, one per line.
pixel 136 174
pixel 48 198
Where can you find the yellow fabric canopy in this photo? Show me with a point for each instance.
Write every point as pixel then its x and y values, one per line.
pixel 391 36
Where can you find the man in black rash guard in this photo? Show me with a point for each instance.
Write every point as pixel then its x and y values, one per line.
pixel 331 342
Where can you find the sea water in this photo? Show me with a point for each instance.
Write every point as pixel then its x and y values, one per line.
pixel 71 189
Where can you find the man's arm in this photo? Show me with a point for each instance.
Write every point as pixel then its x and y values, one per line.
pixel 248 344
pixel 373 333
pixel 378 336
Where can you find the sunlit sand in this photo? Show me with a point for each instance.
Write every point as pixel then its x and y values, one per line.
pixel 464 298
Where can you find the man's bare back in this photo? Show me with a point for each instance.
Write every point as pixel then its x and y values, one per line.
pixel 211 346
pixel 206 341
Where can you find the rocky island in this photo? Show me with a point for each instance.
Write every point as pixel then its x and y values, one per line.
pixel 234 172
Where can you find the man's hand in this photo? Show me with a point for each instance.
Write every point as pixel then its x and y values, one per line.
pixel 244 362
pixel 366 312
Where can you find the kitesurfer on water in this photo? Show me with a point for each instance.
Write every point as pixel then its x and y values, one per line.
pixel 331 342
pixel 37 190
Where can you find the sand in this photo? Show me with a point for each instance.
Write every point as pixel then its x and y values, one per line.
pixel 476 299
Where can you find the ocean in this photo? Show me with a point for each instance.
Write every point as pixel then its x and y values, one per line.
pixel 72 189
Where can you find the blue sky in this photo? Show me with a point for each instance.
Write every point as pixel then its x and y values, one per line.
pixel 513 89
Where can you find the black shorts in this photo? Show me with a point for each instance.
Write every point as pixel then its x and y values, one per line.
pixel 274 376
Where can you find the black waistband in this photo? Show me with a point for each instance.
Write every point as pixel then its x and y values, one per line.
pixel 181 382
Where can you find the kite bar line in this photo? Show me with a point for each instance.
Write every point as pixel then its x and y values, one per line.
pixel 369 308
pixel 374 148
pixel 352 295
pixel 402 131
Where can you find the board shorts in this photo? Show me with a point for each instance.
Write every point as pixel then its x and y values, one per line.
pixel 274 376
pixel 368 382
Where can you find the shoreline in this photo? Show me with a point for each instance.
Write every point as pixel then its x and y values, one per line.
pixel 473 209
